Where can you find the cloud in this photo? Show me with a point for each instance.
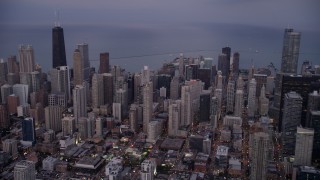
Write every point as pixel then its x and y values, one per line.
pixel 271 13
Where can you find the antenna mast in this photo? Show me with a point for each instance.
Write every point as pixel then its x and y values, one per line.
pixel 57 18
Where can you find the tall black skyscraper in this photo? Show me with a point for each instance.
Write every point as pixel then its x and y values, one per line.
pixel 58 48
pixel 227 52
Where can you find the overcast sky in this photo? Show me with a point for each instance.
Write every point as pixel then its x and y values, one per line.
pixel 301 14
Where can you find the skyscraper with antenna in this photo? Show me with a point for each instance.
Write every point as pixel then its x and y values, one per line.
pixel 58 47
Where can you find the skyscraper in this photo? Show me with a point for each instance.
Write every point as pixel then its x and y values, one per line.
pixel 10 146
pixel 58 47
pixel 121 97
pixel 291 119
pixel 227 52
pixel 213 111
pixel 147 105
pixel 304 145
pixel 60 81
pixel 252 98
pixel 28 131
pixel 78 76
pixel 53 115
pixel 230 96
pixel 26 58
pixel 86 127
pixel 174 118
pixel 133 117
pixel 97 90
pixel 190 97
pixel 223 65
pixel 204 109
pixel 22 91
pixel 263 102
pixel 108 88
pixel 174 88
pixel 3 71
pixel 6 90
pixel 181 65
pixel 235 63
pixel 84 53
pixel 290 51
pixel 13 65
pixel 104 63
pixel 4 118
pixel 79 102
pixel 238 103
pixel 68 125
pixel 259 163
pixel 315 124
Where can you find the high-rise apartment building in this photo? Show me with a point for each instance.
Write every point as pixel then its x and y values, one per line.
pixel 291 119
pixel 24 170
pixel 261 80
pixel 35 81
pixel 68 125
pixel 86 127
pixel 53 115
pixel 313 105
pixel 214 111
pixel 10 146
pixel 303 148
pixel 13 103
pixel 58 47
pixel 26 59
pixel 133 117
pixel 121 97
pixel 59 99
pixel 290 51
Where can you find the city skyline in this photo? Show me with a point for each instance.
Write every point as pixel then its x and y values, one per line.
pixel 161 36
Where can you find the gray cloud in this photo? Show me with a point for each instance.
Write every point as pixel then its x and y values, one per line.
pixel 300 14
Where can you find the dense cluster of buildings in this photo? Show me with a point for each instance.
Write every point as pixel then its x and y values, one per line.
pixel 191 119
